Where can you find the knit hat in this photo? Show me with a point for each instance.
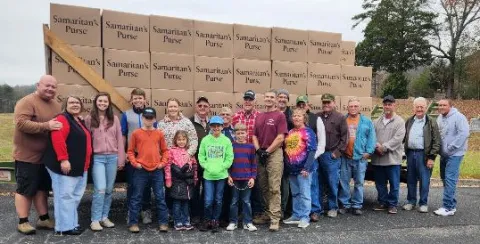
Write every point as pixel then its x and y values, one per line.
pixel 283 91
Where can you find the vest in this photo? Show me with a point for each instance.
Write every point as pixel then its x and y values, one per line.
pixel 134 121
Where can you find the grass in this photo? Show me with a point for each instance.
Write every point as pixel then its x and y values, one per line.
pixel 469 169
pixel 6 137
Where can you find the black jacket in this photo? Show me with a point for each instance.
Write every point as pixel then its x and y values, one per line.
pixel 312 121
pixel 201 132
pixel 182 182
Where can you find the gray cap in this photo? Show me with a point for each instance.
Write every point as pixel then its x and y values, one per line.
pixel 283 91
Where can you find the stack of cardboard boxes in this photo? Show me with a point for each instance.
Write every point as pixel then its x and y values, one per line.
pixel 186 59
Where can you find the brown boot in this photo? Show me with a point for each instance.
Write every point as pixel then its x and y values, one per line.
pixel 163 228
pixel 261 219
pixel 26 229
pixel 274 226
pixel 48 224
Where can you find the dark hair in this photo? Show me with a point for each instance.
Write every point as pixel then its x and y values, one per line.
pixel 65 102
pixel 137 92
pixel 95 122
pixel 178 134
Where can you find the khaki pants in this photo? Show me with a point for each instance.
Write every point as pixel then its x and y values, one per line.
pixel 270 178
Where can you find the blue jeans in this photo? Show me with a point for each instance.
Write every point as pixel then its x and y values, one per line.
pixel 301 197
pixel 147 193
pixel 244 195
pixel 181 213
pixel 352 169
pixel 68 192
pixel 417 171
pixel 449 171
pixel 213 198
pixel 382 174
pixel 140 179
pixel 104 171
pixel 315 190
pixel 329 168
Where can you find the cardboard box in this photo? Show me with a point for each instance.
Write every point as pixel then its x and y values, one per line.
pixel 125 31
pixel 348 53
pixel 324 47
pixel 65 74
pixel 324 78
pixel 357 80
pixel 171 35
pixel 289 44
pixel 76 25
pixel 252 75
pixel 259 102
pixel 290 75
pixel 217 100
pixel 85 93
pixel 213 74
pixel 127 68
pixel 366 105
pixel 213 39
pixel 172 71
pixel 315 102
pixel 126 93
pixel 160 97
pixel 251 42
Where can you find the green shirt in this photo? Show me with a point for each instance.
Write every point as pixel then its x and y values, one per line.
pixel 215 156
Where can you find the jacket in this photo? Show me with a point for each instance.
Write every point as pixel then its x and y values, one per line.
pixel 336 131
pixel 431 136
pixel 169 129
pixel 365 138
pixel 201 131
pixel 288 115
pixel 181 173
pixel 390 136
pixel 215 156
pixel 454 131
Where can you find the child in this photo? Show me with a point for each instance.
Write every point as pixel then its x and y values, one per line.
pixel 148 154
pixel 242 178
pixel 215 156
pixel 181 177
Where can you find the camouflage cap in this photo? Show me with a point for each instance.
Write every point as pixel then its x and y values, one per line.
pixel 302 98
pixel 327 97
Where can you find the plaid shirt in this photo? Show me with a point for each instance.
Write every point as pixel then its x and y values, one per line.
pixel 248 120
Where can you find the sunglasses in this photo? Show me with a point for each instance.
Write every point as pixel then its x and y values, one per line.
pixel 202 106
pixel 223 114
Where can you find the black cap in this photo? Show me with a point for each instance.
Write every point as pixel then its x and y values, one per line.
pixel 202 98
pixel 249 94
pixel 389 99
pixel 149 113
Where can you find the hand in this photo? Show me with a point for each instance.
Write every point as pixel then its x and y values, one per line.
pixel 120 167
pixel 333 156
pixel 65 166
pixel 251 183
pixel 138 166
pixel 169 184
pixel 304 173
pixel 53 124
pixel 366 156
pixel 430 163
pixel 230 181
pixel 160 166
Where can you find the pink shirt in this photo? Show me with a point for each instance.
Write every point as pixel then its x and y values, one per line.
pixel 108 141
pixel 180 157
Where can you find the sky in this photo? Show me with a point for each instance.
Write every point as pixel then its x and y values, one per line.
pixel 22 53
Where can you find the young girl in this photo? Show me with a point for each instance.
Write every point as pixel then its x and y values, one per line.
pixel 181 177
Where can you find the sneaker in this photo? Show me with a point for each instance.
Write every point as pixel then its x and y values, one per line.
pixel 357 211
pixel 163 228
pixel 134 228
pixel 274 226
pixel 261 219
pixel 332 213
pixel 179 227
pixel 379 207
pixel 205 225
pixel 423 209
pixel 249 227
pixel 146 217
pixel 107 223
pixel 303 224
pixel 343 211
pixel 26 229
pixel 188 226
pixel 314 217
pixel 392 210
pixel 445 212
pixel 95 226
pixel 48 224
pixel 215 226
pixel 231 226
pixel 291 221
pixel 408 207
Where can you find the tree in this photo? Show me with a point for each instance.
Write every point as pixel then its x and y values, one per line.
pixel 421 86
pixel 396 85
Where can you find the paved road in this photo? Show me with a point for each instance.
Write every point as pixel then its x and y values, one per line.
pixel 372 227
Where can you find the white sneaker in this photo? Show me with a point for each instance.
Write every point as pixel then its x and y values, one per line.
pixel 231 226
pixel 423 209
pixel 107 223
pixel 332 213
pixel 445 212
pixel 95 226
pixel 291 221
pixel 408 207
pixel 249 227
pixel 303 224
pixel 146 217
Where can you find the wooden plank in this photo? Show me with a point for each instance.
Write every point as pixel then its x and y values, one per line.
pixel 66 53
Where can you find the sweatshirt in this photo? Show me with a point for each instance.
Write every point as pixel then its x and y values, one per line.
pixel 454 132
pixel 215 157
pixel 244 165
pixel 300 147
pixel 150 147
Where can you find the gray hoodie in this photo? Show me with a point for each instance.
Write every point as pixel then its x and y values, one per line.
pixel 454 132
pixel 390 136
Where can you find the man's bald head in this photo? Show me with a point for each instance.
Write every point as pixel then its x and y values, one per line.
pixel 47 87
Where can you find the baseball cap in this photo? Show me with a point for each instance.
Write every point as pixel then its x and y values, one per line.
pixel 302 98
pixel 149 113
pixel 388 99
pixel 202 98
pixel 327 97
pixel 216 120
pixel 249 94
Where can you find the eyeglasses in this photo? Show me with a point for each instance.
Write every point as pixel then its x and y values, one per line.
pixel 223 114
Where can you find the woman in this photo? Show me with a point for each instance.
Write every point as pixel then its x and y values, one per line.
pixel 226 114
pixel 108 156
pixel 67 159
pixel 300 147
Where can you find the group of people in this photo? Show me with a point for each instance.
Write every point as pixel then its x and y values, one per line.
pixel 275 165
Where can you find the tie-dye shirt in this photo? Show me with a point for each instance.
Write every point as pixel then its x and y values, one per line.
pixel 299 143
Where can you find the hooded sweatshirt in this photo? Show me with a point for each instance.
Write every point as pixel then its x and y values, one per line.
pixel 454 132
pixel 215 156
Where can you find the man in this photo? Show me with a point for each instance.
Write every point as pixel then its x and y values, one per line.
pixel 34 119
pixel 329 161
pixel 454 132
pixel 200 122
pixel 269 133
pixel 360 145
pixel 386 161
pixel 422 144
pixel 228 131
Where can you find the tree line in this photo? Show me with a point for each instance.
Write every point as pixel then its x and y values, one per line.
pixel 10 95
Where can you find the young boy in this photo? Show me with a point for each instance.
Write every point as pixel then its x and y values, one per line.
pixel 215 157
pixel 148 154
pixel 130 121
pixel 242 178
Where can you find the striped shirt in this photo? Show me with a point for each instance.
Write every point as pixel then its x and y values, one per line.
pixel 244 165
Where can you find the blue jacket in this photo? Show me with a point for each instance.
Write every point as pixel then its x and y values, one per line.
pixel 365 138
pixel 454 132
